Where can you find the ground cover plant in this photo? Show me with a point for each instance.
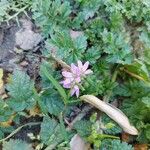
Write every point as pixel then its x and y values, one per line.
pixel 74 74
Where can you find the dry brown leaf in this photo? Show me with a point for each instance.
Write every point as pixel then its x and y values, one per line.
pixel 125 137
pixel 9 122
pixel 35 111
pixel 1 82
pixel 140 147
pixel 77 143
pixel 114 113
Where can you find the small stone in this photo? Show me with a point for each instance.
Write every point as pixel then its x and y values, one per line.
pixel 77 143
pixel 27 39
pixel 24 63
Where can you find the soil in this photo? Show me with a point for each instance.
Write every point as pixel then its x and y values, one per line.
pixel 7 43
pixel 24 60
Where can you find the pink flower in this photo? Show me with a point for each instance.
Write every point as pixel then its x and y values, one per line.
pixel 72 79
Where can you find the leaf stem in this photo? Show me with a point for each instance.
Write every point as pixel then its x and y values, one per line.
pixel 114 77
pixel 18 129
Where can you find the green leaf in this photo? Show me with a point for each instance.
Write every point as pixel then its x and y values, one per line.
pixel 92 54
pixel 21 91
pixel 67 48
pixel 146 101
pixel 138 68
pixel 115 145
pixel 5 111
pixel 110 126
pixel 50 131
pixel 16 145
pixel 52 102
pixel 20 87
pixel 117 47
pixel 56 84
pixel 83 128
pixel 51 15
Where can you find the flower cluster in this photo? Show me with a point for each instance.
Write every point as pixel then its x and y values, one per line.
pixel 72 79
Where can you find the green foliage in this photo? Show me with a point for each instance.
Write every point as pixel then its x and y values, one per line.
pixel 117 47
pixel 16 145
pixel 110 127
pixel 136 107
pixel 138 68
pixel 115 145
pixel 92 55
pixel 52 132
pixel 55 84
pixel 11 9
pixel 52 102
pixel 51 15
pixel 83 128
pixel 5 111
pixel 21 91
pixel 72 49
pixel 107 33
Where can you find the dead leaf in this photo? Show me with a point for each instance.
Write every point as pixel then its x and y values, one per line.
pixel 35 111
pixel 1 82
pixel 77 143
pixel 140 147
pixel 114 113
pixel 9 122
pixel 125 137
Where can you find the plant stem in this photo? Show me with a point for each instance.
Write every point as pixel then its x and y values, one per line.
pixel 114 77
pixel 108 136
pixel 18 129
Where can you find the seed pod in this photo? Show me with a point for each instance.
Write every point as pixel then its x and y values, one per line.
pixel 114 113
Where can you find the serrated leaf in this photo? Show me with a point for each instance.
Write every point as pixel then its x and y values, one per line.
pixel 115 145
pixel 113 129
pixel 5 111
pixel 52 103
pixel 51 15
pixel 92 55
pixel 16 145
pixel 50 131
pixel 83 128
pixel 67 48
pixel 21 91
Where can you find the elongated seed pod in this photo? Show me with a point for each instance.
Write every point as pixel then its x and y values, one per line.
pixel 114 113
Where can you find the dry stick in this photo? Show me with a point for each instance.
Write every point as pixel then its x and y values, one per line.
pixel 62 63
pixel 18 129
pixel 133 75
pixel 59 61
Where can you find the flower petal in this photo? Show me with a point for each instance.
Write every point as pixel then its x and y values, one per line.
pixel 68 80
pixel 67 86
pixel 78 79
pixel 74 68
pixel 67 74
pixel 77 90
pixel 80 65
pixel 73 91
pixel 85 66
pixel 89 71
